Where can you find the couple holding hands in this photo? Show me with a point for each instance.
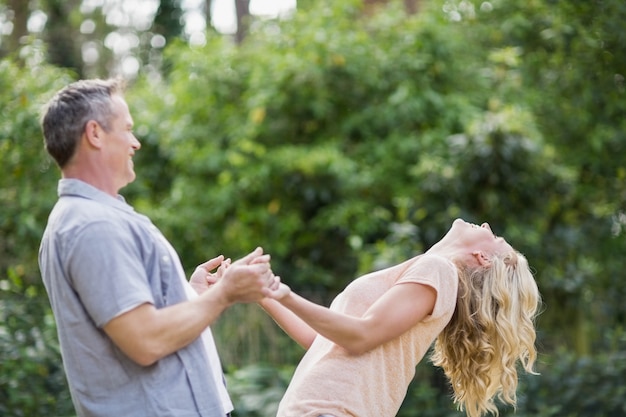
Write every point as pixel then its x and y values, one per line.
pixel 135 334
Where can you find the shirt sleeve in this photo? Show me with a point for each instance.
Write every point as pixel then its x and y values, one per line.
pixel 107 272
pixel 437 273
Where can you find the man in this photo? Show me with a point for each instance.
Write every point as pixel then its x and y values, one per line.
pixel 134 335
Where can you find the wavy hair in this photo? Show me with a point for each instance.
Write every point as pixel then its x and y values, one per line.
pixel 491 329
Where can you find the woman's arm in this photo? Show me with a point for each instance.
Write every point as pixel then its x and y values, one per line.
pixel 399 309
pixel 293 325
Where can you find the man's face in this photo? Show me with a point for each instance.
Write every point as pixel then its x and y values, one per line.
pixel 121 143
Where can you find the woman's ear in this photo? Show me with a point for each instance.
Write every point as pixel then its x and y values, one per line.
pixel 482 259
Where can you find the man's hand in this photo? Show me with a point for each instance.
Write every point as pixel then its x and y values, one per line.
pixel 246 279
pixel 202 278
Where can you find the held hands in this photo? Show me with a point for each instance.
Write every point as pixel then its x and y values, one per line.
pixel 202 278
pixel 277 290
pixel 248 279
pixel 242 281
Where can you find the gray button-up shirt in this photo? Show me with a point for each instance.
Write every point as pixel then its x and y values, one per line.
pixel 99 259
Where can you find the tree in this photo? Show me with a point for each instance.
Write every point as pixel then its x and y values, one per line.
pixel 18 10
pixel 411 6
pixel 167 20
pixel 61 33
pixel 242 9
pixel 84 42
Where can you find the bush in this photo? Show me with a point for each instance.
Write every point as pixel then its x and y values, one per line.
pixel 572 386
pixel 567 386
pixel 32 382
pixel 257 389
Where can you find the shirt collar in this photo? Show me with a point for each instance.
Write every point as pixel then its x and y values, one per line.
pixel 78 188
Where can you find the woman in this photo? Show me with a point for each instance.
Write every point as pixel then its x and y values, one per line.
pixel 471 293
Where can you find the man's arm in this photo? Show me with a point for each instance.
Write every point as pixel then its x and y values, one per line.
pixel 147 334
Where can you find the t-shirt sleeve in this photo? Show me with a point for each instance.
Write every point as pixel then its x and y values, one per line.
pixel 107 272
pixel 438 273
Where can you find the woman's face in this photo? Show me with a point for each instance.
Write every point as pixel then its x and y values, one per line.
pixel 478 238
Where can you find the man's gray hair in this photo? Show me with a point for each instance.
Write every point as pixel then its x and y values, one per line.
pixel 67 113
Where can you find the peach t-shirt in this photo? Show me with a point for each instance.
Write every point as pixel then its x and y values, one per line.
pixel 329 380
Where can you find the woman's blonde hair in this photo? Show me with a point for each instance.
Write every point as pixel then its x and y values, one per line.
pixel 491 329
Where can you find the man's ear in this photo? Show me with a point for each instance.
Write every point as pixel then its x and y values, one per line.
pixel 93 134
pixel 482 259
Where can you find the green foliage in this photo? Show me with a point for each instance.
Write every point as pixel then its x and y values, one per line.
pixel 571 65
pixel 247 335
pixel 32 381
pixel 429 395
pixel 567 386
pixel 343 143
pixel 28 183
pixel 573 386
pixel 293 136
pixel 257 389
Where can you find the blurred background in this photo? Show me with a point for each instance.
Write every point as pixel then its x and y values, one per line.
pixel 342 136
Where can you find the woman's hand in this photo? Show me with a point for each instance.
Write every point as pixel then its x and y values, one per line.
pixel 276 289
pixel 275 293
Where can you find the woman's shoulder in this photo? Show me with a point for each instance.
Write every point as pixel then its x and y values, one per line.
pixel 434 261
pixel 430 269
